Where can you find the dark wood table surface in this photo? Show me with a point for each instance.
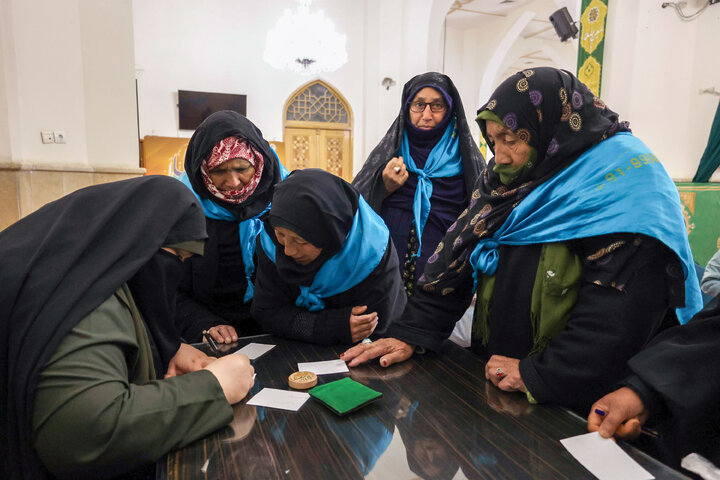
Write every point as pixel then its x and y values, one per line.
pixel 438 418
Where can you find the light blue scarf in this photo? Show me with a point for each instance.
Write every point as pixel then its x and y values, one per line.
pixel 362 250
pixel 248 229
pixel 616 186
pixel 444 161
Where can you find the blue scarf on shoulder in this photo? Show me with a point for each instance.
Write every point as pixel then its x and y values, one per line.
pixel 617 186
pixel 361 253
pixel 444 161
pixel 248 229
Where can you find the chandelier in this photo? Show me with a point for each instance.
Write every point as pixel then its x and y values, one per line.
pixel 305 42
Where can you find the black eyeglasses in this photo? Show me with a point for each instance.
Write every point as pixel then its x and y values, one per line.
pixel 435 107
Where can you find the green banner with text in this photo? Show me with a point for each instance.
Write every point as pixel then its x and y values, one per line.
pixel 592 43
pixel 701 209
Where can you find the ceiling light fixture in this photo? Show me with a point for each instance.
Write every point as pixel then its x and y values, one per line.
pixel 305 42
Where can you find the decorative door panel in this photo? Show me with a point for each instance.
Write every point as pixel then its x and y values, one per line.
pixel 300 148
pixel 318 130
pixel 334 149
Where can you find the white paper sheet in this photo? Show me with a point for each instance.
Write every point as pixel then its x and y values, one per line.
pixel 254 350
pixel 282 399
pixel 323 368
pixel 604 458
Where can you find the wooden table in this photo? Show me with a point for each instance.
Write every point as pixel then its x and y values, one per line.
pixel 438 418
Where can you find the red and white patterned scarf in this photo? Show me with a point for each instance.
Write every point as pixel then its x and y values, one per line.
pixel 228 149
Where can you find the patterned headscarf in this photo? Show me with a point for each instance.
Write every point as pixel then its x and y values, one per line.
pixel 227 149
pixel 560 118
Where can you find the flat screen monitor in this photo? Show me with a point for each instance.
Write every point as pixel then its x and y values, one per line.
pixel 194 107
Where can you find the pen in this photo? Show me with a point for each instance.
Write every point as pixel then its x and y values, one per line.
pixel 643 430
pixel 210 340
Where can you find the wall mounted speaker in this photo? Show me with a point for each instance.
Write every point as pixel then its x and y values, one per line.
pixel 564 25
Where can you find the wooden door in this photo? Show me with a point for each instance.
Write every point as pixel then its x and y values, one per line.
pixel 318 130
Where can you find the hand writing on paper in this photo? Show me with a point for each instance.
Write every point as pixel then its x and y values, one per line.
pixel 235 376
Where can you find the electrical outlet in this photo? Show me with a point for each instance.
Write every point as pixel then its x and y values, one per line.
pixel 59 136
pixel 47 136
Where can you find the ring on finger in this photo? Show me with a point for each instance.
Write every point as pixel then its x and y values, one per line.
pixel 499 373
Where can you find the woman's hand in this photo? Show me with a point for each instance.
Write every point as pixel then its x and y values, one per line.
pixel 222 334
pixel 235 375
pixel 504 373
pixel 394 174
pixel 391 349
pixel 362 326
pixel 187 359
pixel 624 414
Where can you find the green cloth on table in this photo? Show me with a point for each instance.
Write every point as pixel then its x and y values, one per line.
pixel 345 395
pixel 98 409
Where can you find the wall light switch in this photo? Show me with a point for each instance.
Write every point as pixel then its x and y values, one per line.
pixel 59 136
pixel 47 136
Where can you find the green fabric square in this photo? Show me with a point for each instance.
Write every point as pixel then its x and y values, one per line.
pixel 345 395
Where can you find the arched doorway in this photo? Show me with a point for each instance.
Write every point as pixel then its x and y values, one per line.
pixel 318 130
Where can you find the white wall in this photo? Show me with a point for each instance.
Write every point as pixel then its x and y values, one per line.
pixel 217 46
pixel 655 64
pixel 476 58
pixel 67 65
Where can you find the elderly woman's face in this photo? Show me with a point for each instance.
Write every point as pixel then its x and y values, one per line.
pixel 232 175
pixel 427 108
pixel 509 148
pixel 296 247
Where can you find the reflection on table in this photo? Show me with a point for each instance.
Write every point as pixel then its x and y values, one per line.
pixel 438 418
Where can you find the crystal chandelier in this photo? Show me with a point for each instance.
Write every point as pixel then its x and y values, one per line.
pixel 305 42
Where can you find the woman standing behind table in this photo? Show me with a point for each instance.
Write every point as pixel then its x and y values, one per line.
pixel 327 269
pixel 232 170
pixel 420 175
pixel 574 241
pixel 87 334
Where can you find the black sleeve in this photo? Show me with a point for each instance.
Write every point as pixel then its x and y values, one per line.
pixel 192 317
pixel 610 322
pixel 430 317
pixel 382 291
pixel 274 308
pixel 680 370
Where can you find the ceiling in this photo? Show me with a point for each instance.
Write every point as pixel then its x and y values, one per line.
pixel 471 14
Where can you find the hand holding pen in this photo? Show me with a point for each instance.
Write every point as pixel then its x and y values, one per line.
pixel 619 414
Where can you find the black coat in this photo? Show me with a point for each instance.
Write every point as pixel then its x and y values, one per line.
pixel 213 287
pixel 274 303
pixel 607 325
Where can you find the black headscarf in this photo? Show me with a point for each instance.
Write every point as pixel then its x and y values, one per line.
pixel 62 262
pixel 560 118
pixel 219 126
pixel 369 182
pixel 318 206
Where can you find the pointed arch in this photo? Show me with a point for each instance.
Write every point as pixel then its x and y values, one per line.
pixel 317 124
pixel 318 102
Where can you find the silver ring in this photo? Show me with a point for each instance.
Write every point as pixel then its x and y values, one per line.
pixel 366 340
pixel 397 169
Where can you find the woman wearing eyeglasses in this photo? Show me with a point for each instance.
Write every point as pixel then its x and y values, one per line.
pixel 420 175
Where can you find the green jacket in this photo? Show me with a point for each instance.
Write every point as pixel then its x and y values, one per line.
pixel 99 410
